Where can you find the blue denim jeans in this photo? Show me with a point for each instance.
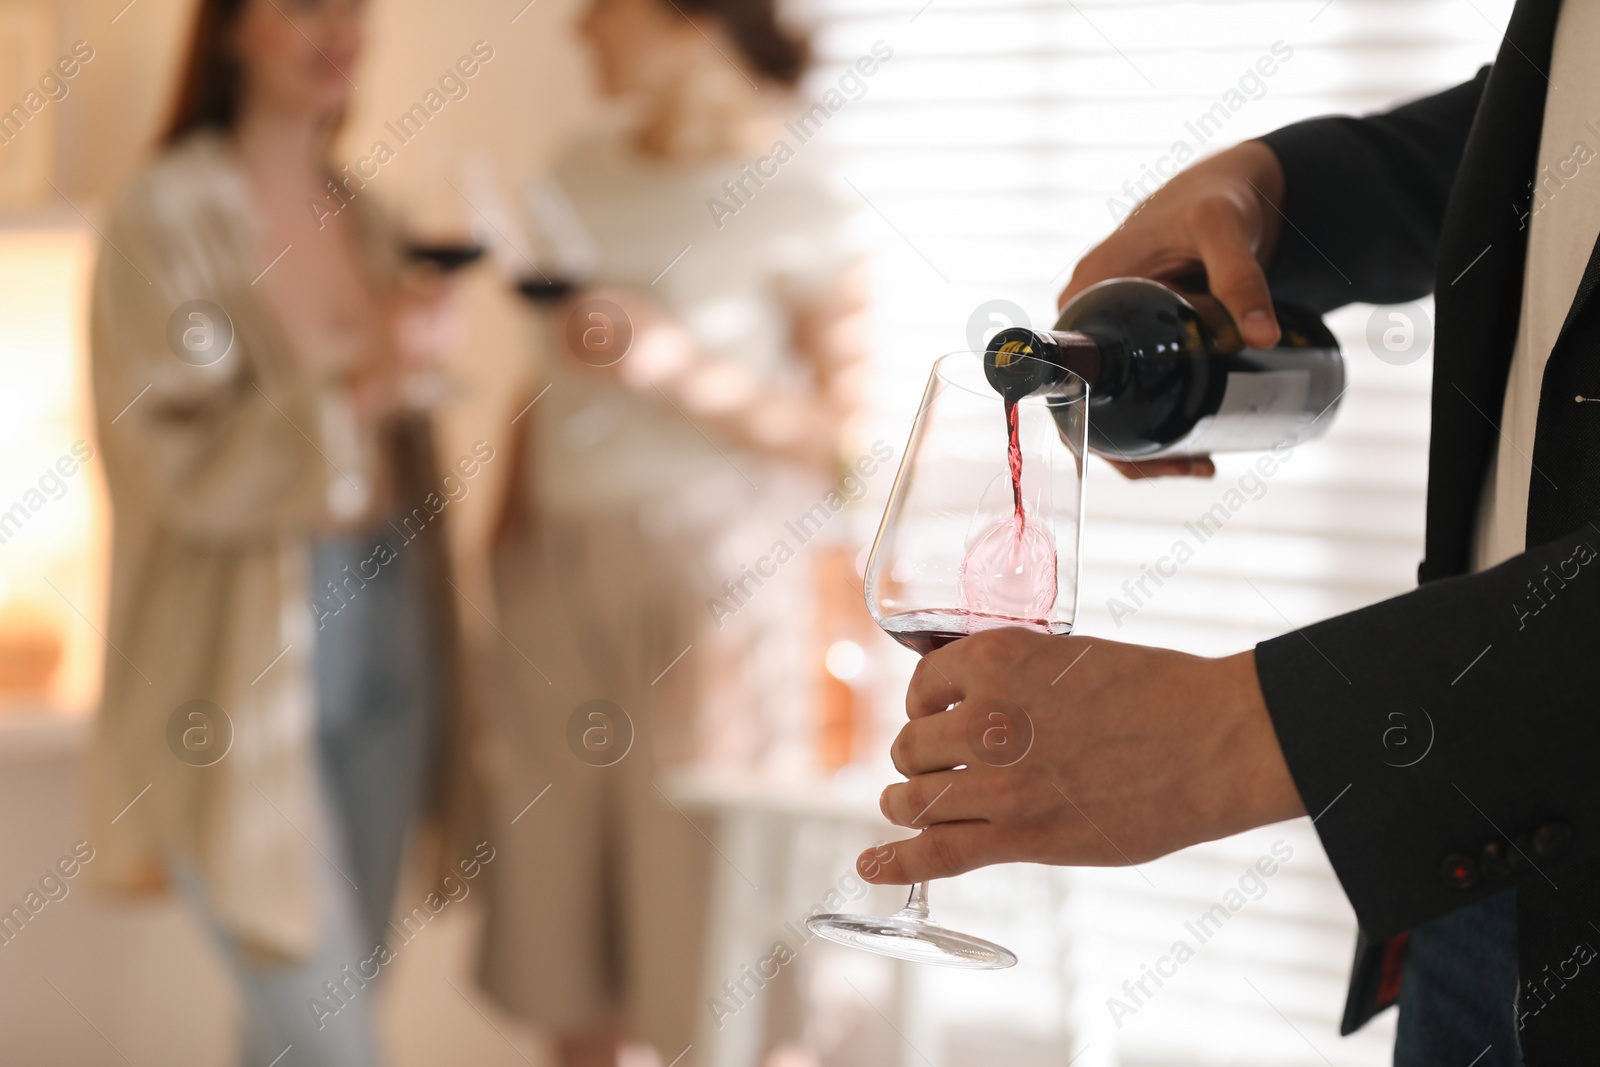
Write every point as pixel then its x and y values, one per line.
pixel 376 689
pixel 1457 996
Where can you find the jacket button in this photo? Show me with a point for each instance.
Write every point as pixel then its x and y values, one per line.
pixel 1550 840
pixel 1459 871
pixel 1494 861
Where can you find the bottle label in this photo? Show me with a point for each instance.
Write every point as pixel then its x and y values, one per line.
pixel 1259 409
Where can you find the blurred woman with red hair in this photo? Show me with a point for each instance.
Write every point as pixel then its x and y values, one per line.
pixel 280 667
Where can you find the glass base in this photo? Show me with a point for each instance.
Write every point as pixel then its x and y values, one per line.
pixel 908 935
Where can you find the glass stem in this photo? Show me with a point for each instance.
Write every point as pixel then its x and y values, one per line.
pixel 917 902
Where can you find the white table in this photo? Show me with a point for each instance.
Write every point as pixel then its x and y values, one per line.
pixel 761 890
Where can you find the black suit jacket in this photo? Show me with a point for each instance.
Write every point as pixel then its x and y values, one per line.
pixel 1498 672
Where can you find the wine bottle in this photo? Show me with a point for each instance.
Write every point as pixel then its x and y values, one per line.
pixel 1170 375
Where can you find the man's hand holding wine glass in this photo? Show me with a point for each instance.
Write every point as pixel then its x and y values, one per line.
pixel 1130 753
pixel 1218 220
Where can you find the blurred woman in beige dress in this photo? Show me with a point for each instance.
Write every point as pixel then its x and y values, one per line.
pixel 279 665
pixel 725 414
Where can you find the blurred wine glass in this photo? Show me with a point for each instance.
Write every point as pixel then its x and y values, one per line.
pixel 449 219
pixel 560 255
pixel 441 228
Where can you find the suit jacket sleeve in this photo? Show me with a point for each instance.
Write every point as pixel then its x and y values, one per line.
pixel 1365 199
pixel 1444 740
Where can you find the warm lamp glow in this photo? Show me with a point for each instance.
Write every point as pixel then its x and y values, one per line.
pixel 52 525
pixel 844 660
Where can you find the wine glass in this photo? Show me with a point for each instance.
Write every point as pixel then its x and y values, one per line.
pixel 561 252
pixel 441 228
pixel 982 530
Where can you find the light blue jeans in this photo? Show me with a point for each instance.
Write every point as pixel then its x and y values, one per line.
pixel 1458 989
pixel 376 685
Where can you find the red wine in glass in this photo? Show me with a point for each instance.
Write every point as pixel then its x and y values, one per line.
pixel 924 631
pixel 542 290
pixel 1009 569
pixel 446 256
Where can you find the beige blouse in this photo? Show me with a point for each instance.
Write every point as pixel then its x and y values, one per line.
pixel 219 474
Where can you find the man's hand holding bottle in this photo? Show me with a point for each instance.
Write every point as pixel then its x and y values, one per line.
pixel 1218 220
pixel 1133 752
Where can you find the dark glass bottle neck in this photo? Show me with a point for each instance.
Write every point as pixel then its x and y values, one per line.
pixel 1078 353
pixel 1020 362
